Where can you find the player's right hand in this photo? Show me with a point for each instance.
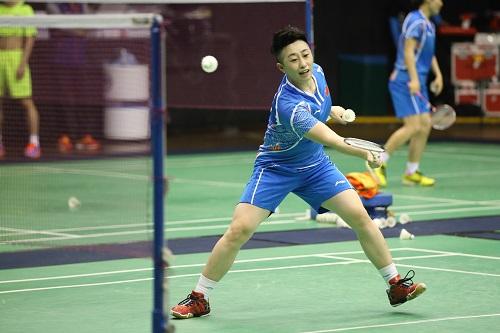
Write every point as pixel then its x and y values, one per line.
pixel 373 159
pixel 414 86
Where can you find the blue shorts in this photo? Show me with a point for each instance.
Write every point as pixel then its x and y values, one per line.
pixel 406 104
pixel 271 183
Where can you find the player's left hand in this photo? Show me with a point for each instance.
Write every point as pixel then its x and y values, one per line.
pixel 373 159
pixel 336 113
pixel 436 86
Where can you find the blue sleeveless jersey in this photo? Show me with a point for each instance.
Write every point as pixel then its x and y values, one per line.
pixel 418 27
pixel 293 113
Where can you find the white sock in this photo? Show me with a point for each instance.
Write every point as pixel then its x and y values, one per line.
pixel 384 157
pixel 34 139
pixel 205 286
pixel 388 272
pixel 411 167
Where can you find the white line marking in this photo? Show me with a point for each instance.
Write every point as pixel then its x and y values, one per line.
pixel 449 270
pixel 334 255
pixel 32 232
pixel 352 328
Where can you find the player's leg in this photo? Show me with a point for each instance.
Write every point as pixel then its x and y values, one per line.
pixel 349 207
pixel 245 221
pixel 266 188
pixel 2 148
pixel 33 148
pixel 417 146
pixel 20 89
pixel 396 140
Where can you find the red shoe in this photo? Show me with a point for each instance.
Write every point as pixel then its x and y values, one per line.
pixel 64 144
pixel 33 151
pixel 2 151
pixel 88 143
pixel 195 305
pixel 402 290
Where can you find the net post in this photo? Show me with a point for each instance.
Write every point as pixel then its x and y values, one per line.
pixel 160 321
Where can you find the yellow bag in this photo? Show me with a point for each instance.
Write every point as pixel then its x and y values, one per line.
pixel 363 183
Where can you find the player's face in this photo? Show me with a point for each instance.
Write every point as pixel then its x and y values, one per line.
pixel 296 61
pixel 435 6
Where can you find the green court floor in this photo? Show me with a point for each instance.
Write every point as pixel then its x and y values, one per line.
pixel 309 288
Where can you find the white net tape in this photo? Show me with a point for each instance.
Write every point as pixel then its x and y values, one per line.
pixel 96 21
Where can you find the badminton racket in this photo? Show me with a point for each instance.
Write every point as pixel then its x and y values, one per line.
pixel 364 144
pixel 442 116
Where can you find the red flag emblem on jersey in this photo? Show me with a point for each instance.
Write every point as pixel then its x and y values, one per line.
pixel 327 91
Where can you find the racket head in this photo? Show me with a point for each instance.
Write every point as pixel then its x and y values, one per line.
pixel 442 117
pixel 364 144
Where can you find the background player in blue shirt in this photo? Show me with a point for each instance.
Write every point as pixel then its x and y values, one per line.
pixel 407 85
pixel 292 159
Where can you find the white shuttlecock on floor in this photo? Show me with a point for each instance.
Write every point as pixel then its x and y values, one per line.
pixel 404 218
pixel 405 235
pixel 73 203
pixel 390 222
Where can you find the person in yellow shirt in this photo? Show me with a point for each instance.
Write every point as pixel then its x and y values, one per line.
pixel 16 44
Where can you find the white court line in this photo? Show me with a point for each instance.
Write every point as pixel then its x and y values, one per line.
pixel 239 261
pixel 144 231
pixel 349 261
pixel 35 232
pixel 98 173
pixel 352 328
pixel 454 253
pixel 449 270
pixel 453 210
pixel 447 204
pixel 207 182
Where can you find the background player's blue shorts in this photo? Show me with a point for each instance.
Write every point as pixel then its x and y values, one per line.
pixel 406 104
pixel 271 183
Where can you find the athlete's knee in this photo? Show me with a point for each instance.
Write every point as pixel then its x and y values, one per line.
pixel 425 124
pixel 358 219
pixel 240 230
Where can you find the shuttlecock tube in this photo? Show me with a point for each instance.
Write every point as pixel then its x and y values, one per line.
pixel 327 218
pixel 405 235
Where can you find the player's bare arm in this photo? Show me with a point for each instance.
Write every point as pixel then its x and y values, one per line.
pixel 409 51
pixel 324 135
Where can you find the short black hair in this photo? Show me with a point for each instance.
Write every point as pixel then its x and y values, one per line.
pixel 284 37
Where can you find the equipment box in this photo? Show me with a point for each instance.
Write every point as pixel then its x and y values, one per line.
pixel 467 95
pixel 491 102
pixel 474 62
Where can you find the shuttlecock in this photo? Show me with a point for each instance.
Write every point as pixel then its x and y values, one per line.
pixel 405 235
pixel 390 222
pixel 209 64
pixel 348 115
pixel 327 218
pixel 404 218
pixel 74 203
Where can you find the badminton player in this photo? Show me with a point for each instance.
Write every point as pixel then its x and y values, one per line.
pixel 16 44
pixel 292 159
pixel 407 84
